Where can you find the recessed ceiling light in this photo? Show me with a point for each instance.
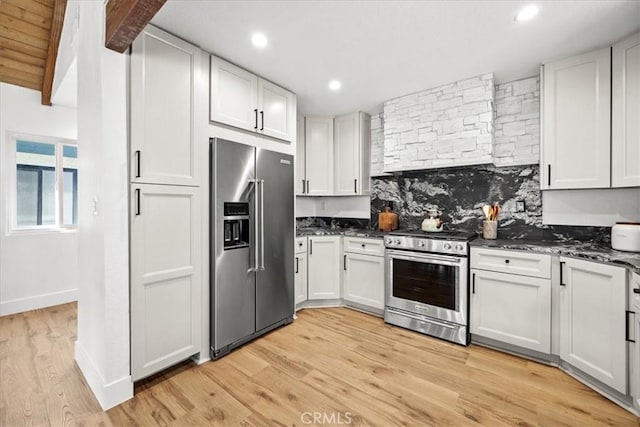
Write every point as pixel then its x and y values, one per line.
pixel 259 40
pixel 335 85
pixel 527 13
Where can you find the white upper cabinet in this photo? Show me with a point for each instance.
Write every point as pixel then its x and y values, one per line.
pixel 163 75
pixel 277 108
pixel 234 95
pixel 319 156
pixel 576 123
pixel 625 162
pixel 352 155
pixel 593 320
pixel 301 170
pixel 244 100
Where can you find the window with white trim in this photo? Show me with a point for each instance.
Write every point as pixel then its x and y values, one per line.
pixel 45 184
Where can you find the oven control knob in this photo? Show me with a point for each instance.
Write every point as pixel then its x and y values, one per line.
pixel 389 241
pixel 447 246
pixel 421 244
pixel 398 242
pixel 459 247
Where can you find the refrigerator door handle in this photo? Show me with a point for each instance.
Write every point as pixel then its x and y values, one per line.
pixel 261 268
pixel 255 223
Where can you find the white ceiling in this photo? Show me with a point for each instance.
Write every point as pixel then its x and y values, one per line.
pixel 383 49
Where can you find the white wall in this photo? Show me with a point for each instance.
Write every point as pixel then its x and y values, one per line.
pixel 102 348
pixel 37 269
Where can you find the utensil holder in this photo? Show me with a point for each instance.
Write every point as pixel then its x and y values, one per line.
pixel 489 230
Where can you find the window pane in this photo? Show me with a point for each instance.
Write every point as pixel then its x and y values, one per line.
pixel 70 185
pixel 36 183
pixel 48 197
pixel 27 198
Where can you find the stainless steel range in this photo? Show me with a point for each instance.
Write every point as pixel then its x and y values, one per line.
pixel 427 284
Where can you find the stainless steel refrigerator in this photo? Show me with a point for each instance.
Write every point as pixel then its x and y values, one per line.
pixel 252 243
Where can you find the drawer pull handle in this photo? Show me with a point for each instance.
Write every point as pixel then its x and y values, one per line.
pixel 506 261
pixel 363 245
pixel 636 290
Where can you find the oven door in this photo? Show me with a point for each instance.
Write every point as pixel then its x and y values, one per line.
pixel 428 284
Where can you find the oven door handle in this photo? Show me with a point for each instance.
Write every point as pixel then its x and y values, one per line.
pixel 428 259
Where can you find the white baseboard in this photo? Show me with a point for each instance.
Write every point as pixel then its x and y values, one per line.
pixel 108 394
pixel 37 301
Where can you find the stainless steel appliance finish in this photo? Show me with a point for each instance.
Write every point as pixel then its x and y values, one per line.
pixel 427 283
pixel 251 282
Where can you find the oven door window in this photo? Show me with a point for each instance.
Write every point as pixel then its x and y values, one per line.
pixel 424 282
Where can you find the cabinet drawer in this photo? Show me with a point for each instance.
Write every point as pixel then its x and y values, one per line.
pixel 514 262
pixel 361 245
pixel 301 245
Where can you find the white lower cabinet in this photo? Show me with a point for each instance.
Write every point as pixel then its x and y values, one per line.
pixel 301 270
pixel 363 274
pixel 324 267
pixel 166 283
pixel 593 320
pixel 511 308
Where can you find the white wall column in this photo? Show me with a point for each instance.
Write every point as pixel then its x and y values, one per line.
pixel 102 349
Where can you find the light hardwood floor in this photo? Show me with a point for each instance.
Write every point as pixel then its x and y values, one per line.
pixel 335 364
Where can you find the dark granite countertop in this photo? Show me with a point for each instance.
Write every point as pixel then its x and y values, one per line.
pixel 349 232
pixel 588 251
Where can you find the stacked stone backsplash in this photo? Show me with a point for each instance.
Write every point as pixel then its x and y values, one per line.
pixel 460 194
pixel 445 126
pixel 517 123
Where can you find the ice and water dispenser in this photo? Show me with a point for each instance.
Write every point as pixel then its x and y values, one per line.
pixel 236 225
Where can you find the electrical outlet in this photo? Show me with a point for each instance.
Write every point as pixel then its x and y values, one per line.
pixel 520 206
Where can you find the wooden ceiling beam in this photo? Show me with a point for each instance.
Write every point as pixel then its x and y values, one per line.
pixel 59 7
pixel 126 19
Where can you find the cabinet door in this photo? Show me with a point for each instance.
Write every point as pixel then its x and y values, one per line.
pixel 301 174
pixel 625 126
pixel 324 267
pixel 576 122
pixel 512 309
pixel 347 154
pixel 319 155
pixel 277 110
pixel 593 320
pixel 301 278
pixel 365 154
pixel 234 95
pixel 165 277
pixel 364 280
pixel 163 149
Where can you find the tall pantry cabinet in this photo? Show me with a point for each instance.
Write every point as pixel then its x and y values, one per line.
pixel 165 224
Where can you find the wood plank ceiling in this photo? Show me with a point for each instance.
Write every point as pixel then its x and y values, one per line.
pixel 29 36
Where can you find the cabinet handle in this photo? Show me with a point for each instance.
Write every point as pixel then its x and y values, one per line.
pixel 256 111
pixel 297 259
pixel 304 186
pixel 561 264
pixel 363 246
pixel 310 247
pixel 636 290
pixel 137 163
pixel 355 186
pixel 345 262
pixel 137 201
pixel 473 283
pixel 549 175
pixel 262 117
pixel 506 261
pixel 626 326
pixel 308 187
